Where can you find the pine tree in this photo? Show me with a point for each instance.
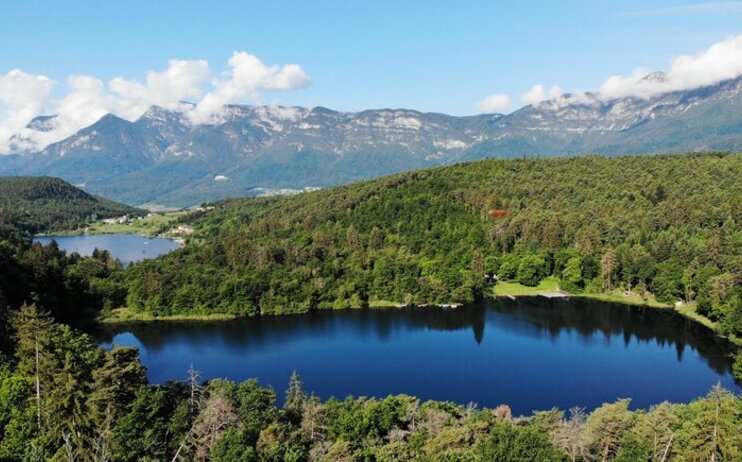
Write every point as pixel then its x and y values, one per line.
pixel 608 267
pixel 33 335
pixel 714 434
pixel 115 384
pixel 607 426
pixel 295 396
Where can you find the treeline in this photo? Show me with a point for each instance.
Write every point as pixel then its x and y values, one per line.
pixel 44 204
pixel 69 287
pixel 669 226
pixel 62 398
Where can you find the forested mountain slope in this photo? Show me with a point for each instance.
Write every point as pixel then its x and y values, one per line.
pixel 669 225
pixel 39 204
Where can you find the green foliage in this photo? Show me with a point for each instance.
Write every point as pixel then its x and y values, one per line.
pixel 94 403
pixel 43 204
pixel 66 286
pixel 510 443
pixel 737 368
pixel 668 225
pixel 531 270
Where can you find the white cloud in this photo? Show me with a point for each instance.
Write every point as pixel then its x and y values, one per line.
pixel 182 80
pixel 22 97
pixel 537 93
pixel 494 103
pixel 721 61
pixel 87 98
pixel 248 76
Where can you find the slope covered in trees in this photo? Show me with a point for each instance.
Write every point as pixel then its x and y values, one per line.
pixel 666 225
pixel 63 398
pixel 41 204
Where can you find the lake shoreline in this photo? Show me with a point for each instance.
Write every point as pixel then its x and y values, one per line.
pixel 155 224
pixel 127 248
pixel 124 316
pixel 446 354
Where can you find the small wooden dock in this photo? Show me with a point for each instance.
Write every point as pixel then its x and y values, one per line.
pixel 555 294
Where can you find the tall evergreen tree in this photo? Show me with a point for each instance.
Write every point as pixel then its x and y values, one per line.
pixel 294 397
pixel 33 329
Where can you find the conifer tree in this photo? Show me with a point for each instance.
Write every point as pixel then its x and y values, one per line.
pixel 33 333
pixel 295 396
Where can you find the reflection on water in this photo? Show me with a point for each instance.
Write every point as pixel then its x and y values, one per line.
pixel 529 353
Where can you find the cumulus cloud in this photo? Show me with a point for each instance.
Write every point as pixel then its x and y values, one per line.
pixel 721 61
pixel 248 76
pixel 182 80
pixel 86 98
pixel 494 103
pixel 22 97
pixel 538 93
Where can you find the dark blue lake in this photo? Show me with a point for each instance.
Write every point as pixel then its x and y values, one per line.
pixel 531 353
pixel 126 247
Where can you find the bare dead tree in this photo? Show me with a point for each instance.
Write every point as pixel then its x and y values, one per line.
pixel 312 418
pixel 194 383
pixel 217 415
pixel 571 435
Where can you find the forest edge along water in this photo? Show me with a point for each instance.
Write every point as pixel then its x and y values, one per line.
pixel 537 353
pixel 127 248
pixel 530 353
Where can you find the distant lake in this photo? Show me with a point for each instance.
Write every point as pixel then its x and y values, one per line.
pixel 530 353
pixel 126 247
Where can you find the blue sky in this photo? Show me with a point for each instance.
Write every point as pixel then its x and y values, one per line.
pixel 429 55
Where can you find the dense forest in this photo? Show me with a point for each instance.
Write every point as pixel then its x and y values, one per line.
pixel 44 204
pixel 69 287
pixel 661 225
pixel 62 398
pixel 667 226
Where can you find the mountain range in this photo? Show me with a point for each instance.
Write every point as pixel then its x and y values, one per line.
pixel 161 158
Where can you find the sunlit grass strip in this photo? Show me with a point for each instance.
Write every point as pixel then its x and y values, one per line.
pixel 122 315
pixel 516 289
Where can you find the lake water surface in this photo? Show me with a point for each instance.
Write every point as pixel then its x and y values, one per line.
pixel 531 353
pixel 126 247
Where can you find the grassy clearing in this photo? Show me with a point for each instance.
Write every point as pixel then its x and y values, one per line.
pixel 552 284
pixel 617 297
pixel 123 315
pixel 689 311
pixel 519 290
pixel 148 226
pixel 382 303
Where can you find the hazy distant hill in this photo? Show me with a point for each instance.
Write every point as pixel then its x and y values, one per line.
pixel 39 204
pixel 162 158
